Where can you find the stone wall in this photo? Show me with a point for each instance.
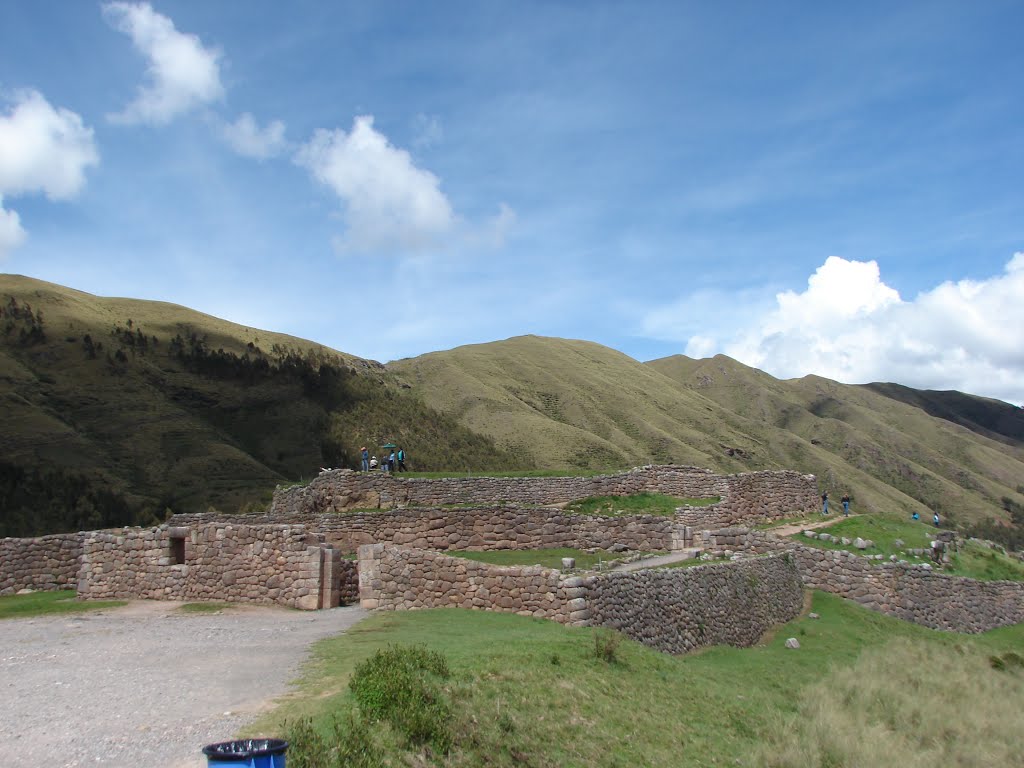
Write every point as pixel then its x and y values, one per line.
pixel 395 578
pixel 45 563
pixel 674 610
pixel 680 609
pixel 478 528
pixel 284 565
pixel 751 497
pixel 913 592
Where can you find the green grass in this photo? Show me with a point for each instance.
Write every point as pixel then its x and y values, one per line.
pixel 979 562
pixel 549 558
pixel 45 603
pixel 637 504
pixel 530 692
pixel 973 561
pixel 883 531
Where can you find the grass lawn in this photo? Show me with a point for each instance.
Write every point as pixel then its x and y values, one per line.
pixel 43 603
pixel 637 504
pixel 526 691
pixel 974 560
pixel 979 562
pixel 549 558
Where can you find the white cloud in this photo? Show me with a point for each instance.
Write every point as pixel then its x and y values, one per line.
pixel 248 139
pixel 850 326
pixel 11 233
pixel 388 201
pixel 42 149
pixel 182 73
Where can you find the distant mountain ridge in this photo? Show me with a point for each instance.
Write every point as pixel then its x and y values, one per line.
pixel 114 410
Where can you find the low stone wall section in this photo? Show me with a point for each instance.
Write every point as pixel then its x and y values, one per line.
pixel 913 592
pixel 674 610
pixel 395 578
pixel 479 528
pixel 681 609
pixel 282 565
pixel 44 563
pixel 751 497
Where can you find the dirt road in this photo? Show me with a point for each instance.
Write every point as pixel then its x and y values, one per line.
pixel 146 685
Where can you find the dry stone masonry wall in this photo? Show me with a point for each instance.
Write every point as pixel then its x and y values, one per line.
pixel 44 563
pixel 481 528
pixel 751 497
pixel 217 562
pixel 913 592
pixel 673 610
pixel 396 578
pixel 680 609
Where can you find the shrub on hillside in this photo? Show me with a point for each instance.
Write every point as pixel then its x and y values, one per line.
pixel 402 685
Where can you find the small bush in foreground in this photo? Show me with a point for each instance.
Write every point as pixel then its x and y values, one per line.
pixel 351 747
pixel 401 686
pixel 606 645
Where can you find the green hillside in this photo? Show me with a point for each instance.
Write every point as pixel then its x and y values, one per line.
pixel 863 439
pixel 114 410
pixel 569 404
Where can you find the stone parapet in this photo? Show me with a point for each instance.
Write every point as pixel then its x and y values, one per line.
pixel 44 563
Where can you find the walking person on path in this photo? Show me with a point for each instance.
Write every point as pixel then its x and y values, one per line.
pixel 935 519
pixel 401 460
pixel 824 503
pixel 846 504
pixel 391 461
pixel 366 458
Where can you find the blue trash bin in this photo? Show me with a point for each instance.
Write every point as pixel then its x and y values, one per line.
pixel 247 753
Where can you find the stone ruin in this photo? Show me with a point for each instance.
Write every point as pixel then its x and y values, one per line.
pixel 297 554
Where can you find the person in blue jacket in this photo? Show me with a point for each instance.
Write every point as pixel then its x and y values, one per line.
pixel 366 458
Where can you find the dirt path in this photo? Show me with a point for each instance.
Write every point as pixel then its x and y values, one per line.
pixel 146 685
pixel 808 525
pixel 782 530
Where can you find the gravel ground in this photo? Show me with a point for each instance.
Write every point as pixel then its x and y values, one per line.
pixel 146 685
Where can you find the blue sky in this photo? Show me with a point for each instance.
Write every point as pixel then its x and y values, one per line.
pixel 809 187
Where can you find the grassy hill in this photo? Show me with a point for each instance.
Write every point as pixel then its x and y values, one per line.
pixel 570 404
pixel 114 410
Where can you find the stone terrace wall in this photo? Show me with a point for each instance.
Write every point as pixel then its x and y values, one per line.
pixel 222 562
pixel 481 528
pixel 673 610
pixel 44 563
pixel 913 592
pixel 680 609
pixel 393 578
pixel 756 496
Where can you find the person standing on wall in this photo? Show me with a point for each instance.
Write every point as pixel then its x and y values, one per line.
pixel 391 461
pixel 824 503
pixel 366 458
pixel 401 460
pixel 846 504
